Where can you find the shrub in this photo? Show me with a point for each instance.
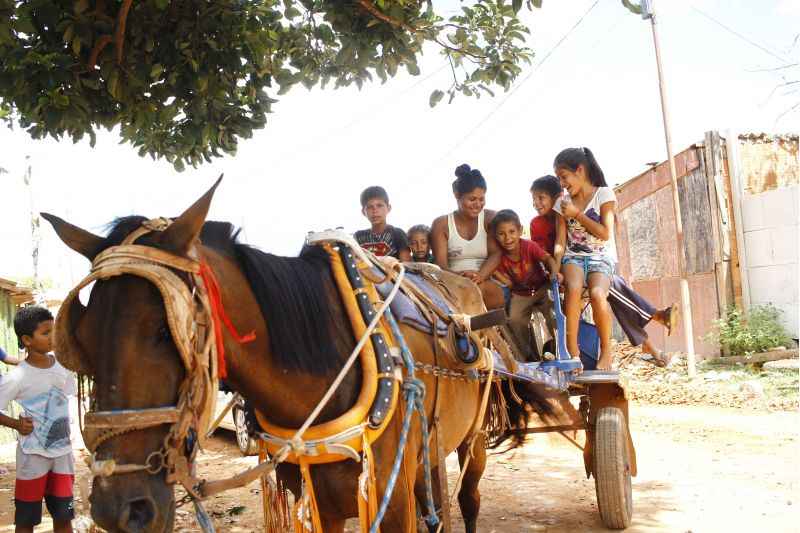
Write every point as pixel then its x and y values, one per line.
pixel 743 334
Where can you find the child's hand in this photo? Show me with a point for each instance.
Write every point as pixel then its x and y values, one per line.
pixel 24 425
pixel 568 209
pixel 472 275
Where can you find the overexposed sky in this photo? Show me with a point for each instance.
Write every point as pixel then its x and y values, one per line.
pixel 305 170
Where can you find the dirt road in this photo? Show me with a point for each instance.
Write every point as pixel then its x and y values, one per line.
pixel 701 469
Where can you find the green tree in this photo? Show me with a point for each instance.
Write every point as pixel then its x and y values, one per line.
pixel 185 80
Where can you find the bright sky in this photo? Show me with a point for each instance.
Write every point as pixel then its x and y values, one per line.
pixel 321 148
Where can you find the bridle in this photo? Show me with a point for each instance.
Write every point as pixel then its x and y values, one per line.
pixel 190 317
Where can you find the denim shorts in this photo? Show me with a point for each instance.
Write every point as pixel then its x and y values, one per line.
pixel 590 263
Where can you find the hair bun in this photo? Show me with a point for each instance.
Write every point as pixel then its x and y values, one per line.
pixel 463 171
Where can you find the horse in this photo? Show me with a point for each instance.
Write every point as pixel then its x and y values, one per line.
pixel 302 337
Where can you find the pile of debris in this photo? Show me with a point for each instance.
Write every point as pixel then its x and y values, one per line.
pixel 715 384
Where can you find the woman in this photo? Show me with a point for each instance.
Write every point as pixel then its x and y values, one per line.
pixel 461 241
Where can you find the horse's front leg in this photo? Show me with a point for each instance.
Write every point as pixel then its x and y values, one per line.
pixel 469 497
pixel 332 525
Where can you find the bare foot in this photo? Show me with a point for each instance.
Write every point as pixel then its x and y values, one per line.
pixel 574 351
pixel 604 363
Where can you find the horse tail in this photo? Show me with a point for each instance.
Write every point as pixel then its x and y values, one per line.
pixel 515 404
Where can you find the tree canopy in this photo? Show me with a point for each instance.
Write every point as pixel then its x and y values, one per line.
pixel 186 79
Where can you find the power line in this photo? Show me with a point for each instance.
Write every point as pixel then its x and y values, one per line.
pixel 514 89
pixel 740 36
pixel 369 113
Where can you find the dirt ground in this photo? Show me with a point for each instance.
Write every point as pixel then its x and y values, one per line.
pixel 701 469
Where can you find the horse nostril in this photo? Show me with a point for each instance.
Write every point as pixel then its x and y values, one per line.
pixel 137 515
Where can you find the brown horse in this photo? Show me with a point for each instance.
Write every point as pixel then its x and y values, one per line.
pixel 302 339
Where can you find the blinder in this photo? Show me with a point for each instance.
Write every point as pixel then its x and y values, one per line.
pixel 190 322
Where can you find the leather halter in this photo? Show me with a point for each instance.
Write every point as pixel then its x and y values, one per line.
pixel 190 319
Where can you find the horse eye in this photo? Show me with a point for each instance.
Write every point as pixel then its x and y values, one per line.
pixel 163 334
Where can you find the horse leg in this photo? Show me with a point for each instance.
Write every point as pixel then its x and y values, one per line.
pixel 469 497
pixel 332 525
pixel 421 493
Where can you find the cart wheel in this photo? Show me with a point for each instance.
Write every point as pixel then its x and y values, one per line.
pixel 247 444
pixel 612 471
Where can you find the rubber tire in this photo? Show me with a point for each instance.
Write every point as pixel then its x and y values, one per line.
pixel 612 472
pixel 247 445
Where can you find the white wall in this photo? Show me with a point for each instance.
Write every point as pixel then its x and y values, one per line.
pixel 770 225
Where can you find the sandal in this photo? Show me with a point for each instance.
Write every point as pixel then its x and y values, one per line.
pixel 671 315
pixel 661 359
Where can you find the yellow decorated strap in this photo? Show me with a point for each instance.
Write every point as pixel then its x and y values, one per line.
pixel 368 509
pixel 359 413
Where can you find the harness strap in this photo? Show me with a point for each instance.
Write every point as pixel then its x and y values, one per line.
pixel 306 509
pixel 219 317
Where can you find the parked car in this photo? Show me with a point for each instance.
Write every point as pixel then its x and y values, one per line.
pixel 236 421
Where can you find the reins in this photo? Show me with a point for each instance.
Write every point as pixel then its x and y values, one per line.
pixel 196 317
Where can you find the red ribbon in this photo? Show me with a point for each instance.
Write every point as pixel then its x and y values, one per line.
pixel 219 317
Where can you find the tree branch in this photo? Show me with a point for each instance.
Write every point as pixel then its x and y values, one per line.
pixel 119 35
pixel 380 15
pixel 101 43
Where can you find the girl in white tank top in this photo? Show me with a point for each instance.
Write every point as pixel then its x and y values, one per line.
pixel 463 254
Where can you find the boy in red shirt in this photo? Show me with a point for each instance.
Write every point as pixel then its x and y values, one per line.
pixel 632 311
pixel 521 265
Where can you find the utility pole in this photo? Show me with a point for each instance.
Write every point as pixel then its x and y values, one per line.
pixel 35 237
pixel 686 305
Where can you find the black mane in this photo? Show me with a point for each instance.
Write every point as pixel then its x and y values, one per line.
pixel 292 293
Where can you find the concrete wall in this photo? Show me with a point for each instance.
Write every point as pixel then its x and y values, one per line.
pixel 770 225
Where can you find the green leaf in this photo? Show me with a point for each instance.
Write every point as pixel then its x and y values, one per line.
pixel 156 71
pixel 24 24
pixel 292 13
pixel 517 5
pixel 76 45
pixel 435 97
pixel 412 69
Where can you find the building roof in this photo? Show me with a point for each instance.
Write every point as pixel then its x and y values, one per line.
pixel 19 293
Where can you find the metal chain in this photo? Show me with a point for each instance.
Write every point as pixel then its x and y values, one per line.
pixel 448 373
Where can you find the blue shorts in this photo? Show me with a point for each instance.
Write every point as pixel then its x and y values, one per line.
pixel 590 264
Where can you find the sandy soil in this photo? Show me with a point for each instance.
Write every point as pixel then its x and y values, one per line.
pixel 701 469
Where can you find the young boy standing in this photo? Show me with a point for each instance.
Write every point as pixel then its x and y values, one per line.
pixel 381 239
pixel 521 265
pixel 45 465
pixel 631 310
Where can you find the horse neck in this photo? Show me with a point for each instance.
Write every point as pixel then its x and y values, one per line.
pixel 284 396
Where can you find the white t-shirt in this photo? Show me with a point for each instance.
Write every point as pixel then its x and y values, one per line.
pixel 580 242
pixel 42 393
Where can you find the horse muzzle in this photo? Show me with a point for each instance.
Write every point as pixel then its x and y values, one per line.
pixel 134 503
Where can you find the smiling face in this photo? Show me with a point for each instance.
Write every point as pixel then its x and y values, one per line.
pixel 508 235
pixel 376 211
pixel 572 180
pixel 418 242
pixel 542 202
pixel 471 204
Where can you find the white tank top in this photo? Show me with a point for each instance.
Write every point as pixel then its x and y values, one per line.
pixel 462 254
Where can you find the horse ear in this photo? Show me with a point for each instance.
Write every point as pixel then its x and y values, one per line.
pixel 85 243
pixel 185 230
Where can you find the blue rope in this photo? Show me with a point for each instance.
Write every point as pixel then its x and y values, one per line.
pixel 414 390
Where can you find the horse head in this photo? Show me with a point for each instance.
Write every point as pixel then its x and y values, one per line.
pixel 124 340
